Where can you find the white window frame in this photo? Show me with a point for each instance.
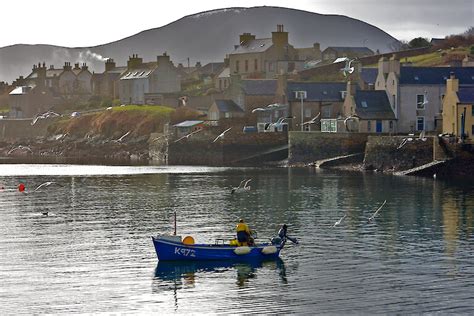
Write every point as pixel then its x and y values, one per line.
pixel 424 123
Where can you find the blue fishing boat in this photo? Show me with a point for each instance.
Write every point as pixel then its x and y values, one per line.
pixel 172 247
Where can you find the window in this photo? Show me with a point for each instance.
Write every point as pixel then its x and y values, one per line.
pixel 472 130
pixel 364 104
pixel 291 66
pixel 246 65
pixel 420 101
pixel 390 125
pixel 369 126
pixel 420 123
pixel 307 113
pixel 270 66
pixel 237 65
pixel 227 115
pixel 472 110
pixel 255 64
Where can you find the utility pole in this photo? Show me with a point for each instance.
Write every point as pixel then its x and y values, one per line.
pixel 302 96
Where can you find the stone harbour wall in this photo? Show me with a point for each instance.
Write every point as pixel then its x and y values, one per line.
pixel 381 153
pixel 307 147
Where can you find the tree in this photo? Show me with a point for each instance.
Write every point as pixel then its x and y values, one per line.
pixel 418 42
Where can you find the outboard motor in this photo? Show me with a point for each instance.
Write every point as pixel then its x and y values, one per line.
pixel 282 237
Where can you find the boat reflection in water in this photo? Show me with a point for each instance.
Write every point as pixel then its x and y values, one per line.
pixel 184 272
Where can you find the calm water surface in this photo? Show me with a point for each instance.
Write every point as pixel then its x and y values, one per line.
pixel 93 253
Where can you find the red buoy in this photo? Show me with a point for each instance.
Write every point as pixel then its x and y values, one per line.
pixel 21 187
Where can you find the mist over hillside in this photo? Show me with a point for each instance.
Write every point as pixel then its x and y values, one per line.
pixel 204 37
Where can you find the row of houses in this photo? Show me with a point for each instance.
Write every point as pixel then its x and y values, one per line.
pixel 390 98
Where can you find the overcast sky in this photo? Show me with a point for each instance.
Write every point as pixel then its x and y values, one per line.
pixel 93 22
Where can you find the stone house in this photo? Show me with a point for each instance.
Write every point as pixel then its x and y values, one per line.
pixel 208 72
pixel 28 101
pixel 68 82
pixel 106 84
pixel 264 57
pixel 458 105
pixel 323 98
pixel 416 93
pixel 158 77
pixel 224 109
pixel 366 111
pixel 222 81
pixel 334 52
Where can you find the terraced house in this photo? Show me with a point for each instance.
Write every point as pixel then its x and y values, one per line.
pixel 416 93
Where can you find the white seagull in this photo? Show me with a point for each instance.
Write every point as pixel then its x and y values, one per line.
pixel 20 147
pixel 347 68
pixel 350 117
pixel 404 142
pixel 188 135
pixel 44 115
pixel 221 135
pixel 340 220
pixel 46 184
pixel 313 120
pixel 370 219
pixel 242 186
pixel 422 136
pixel 122 137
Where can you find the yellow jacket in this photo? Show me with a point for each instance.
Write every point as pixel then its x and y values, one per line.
pixel 242 227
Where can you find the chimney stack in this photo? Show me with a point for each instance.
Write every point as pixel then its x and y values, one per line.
pixel 109 64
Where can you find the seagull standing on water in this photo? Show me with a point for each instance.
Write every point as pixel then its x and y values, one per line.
pixel 370 219
pixel 221 135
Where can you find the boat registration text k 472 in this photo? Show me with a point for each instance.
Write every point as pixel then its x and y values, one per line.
pixel 185 252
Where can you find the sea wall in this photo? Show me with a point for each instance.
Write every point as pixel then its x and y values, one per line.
pixel 383 152
pixel 14 129
pixel 233 149
pixel 307 147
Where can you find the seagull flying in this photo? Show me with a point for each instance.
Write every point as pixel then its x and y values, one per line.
pixel 404 142
pixel 44 115
pixel 221 135
pixel 122 137
pixel 188 135
pixel 370 219
pixel 340 220
pixel 242 186
pixel 347 68
pixel 313 120
pixel 46 184
pixel 422 136
pixel 347 119
pixel 20 147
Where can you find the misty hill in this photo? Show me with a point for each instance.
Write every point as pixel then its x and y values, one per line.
pixel 205 37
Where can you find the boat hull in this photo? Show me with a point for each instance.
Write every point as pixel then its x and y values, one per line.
pixel 175 250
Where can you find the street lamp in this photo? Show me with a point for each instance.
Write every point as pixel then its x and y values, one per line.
pixel 301 95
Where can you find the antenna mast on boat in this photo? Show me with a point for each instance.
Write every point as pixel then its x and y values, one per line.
pixel 175 223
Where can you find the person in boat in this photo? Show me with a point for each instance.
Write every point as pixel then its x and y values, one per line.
pixel 244 235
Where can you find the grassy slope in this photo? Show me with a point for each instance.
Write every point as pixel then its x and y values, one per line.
pixel 140 120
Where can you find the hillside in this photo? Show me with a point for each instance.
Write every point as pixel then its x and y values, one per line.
pixel 206 36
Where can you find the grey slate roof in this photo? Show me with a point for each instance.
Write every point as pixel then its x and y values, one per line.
pixel 317 91
pixel 359 50
pixel 227 106
pixel 435 75
pixel 466 95
pixel 190 123
pixel 369 75
pixel 259 86
pixel 254 46
pixel 373 104
pixel 211 68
